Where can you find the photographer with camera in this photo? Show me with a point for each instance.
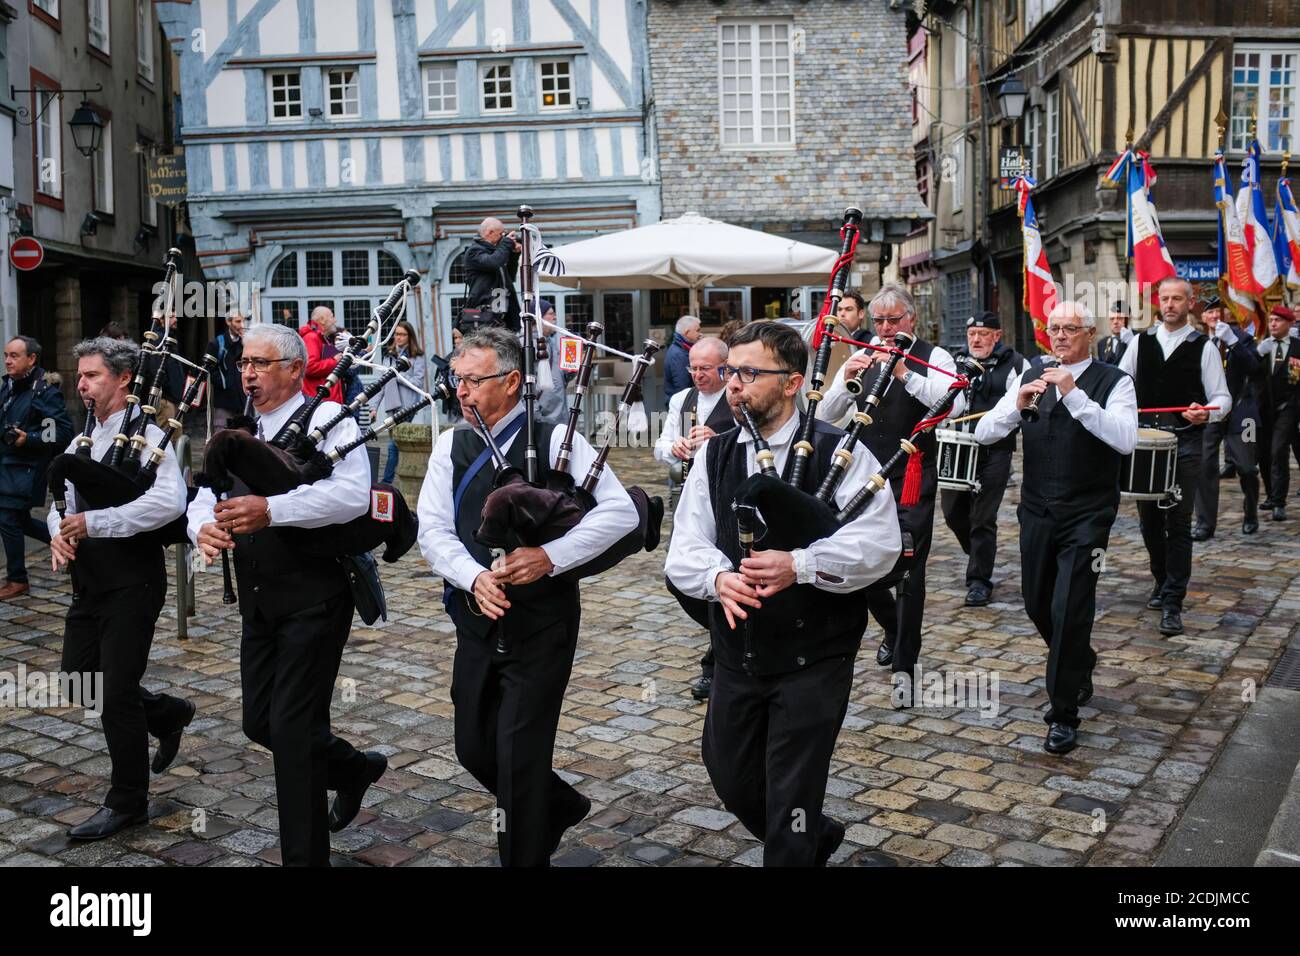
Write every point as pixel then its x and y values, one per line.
pixel 34 426
pixel 491 262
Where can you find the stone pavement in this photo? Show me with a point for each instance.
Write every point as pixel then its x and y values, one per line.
pixel 933 785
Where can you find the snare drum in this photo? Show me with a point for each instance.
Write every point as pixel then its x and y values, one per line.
pixel 958 459
pixel 1149 473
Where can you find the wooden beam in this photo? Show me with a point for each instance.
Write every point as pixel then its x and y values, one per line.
pixel 1067 80
pixel 1179 96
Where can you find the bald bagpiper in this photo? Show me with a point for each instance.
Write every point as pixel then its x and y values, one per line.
pixel 973 515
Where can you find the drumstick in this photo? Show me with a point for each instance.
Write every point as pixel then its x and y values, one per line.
pixel 1179 408
pixel 967 418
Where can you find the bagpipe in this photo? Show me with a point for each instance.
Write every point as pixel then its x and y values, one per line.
pixel 130 466
pixel 295 456
pixel 522 510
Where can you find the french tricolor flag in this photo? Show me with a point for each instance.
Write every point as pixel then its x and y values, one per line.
pixel 1146 246
pixel 1040 289
pixel 1254 223
pixel 1236 283
pixel 1286 234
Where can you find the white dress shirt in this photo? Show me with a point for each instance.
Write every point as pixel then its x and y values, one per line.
pixel 1269 347
pixel 612 518
pixel 163 502
pixel 1212 378
pixel 858 554
pixel 339 497
pixel 837 401
pixel 704 406
pixel 1115 424
pixel 1006 376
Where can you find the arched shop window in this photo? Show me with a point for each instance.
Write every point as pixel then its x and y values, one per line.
pixel 350 282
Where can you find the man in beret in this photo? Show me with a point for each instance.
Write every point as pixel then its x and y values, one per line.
pixel 1281 355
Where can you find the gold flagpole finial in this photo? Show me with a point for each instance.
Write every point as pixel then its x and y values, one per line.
pixel 1128 136
pixel 1286 155
pixel 1254 126
pixel 1221 121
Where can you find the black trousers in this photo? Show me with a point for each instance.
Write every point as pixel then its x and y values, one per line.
pixel 507 709
pixel 767 746
pixel 1282 437
pixel 1167 532
pixel 1241 455
pixel 900 610
pixel 111 632
pixel 706 662
pixel 16 524
pixel 288 667
pixel 973 515
pixel 1061 558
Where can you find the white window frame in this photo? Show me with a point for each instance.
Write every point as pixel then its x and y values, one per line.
pixel 508 80
pixel 289 117
pixel 566 91
pixel 443 71
pixel 1239 129
pixel 50 7
pixel 101 40
pixel 336 80
pixel 1034 141
pixel 1052 139
pixel 148 205
pixel 144 38
pixel 103 171
pixel 51 120
pixel 755 126
pixel 960 55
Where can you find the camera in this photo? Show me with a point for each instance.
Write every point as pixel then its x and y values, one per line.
pixel 10 436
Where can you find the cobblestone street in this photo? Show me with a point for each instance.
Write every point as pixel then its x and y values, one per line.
pixel 924 786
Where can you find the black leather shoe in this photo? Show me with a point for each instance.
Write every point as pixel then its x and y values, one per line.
pixel 1228 471
pixel 105 823
pixel 1250 524
pixel 979 595
pixel 1085 692
pixel 1061 739
pixel 884 654
pixel 347 803
pixel 1155 602
pixel 1202 533
pixel 1171 622
pixel 579 814
pixel 830 842
pixel 1279 513
pixel 169 745
pixel 702 687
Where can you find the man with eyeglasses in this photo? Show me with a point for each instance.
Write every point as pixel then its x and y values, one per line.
pixel 915 388
pixel 297 610
pixel 516 618
pixel 1173 365
pixel 972 516
pixel 772 722
pixel 1087 423
pixel 705 400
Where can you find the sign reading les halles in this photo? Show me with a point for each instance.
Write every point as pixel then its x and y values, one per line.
pixel 1012 164
pixel 167 183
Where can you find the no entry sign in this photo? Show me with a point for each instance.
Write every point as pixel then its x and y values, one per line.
pixel 26 253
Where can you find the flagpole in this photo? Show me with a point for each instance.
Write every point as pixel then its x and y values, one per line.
pixel 1128 217
pixel 1287 294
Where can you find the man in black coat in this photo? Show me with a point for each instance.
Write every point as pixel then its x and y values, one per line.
pixel 491 262
pixel 1243 368
pixel 225 390
pixel 34 425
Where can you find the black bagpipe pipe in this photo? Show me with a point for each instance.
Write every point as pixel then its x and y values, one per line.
pixel 147 385
pixel 518 513
pixel 791 518
pixel 827 322
pixel 293 458
pixel 103 484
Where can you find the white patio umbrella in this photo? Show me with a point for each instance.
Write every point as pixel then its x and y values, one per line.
pixel 691 252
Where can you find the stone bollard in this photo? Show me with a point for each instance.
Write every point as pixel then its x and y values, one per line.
pixel 414 443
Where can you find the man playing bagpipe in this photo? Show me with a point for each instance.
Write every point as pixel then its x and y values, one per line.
pixel 785 623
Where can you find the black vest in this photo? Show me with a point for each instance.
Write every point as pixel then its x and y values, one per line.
pixel 535 606
pixel 106 564
pixel 987 388
pixel 720 419
pixel 1172 382
pixel 275 578
pixel 899 413
pixel 803 624
pixel 1068 469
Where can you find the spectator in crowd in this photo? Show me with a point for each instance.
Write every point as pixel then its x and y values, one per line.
pixel 395 395
pixel 491 262
pixel 677 375
pixel 225 391
pixel 318 336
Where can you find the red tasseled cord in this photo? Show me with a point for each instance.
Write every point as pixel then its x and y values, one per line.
pixel 912 481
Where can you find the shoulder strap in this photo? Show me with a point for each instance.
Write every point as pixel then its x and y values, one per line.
pixel 477 464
